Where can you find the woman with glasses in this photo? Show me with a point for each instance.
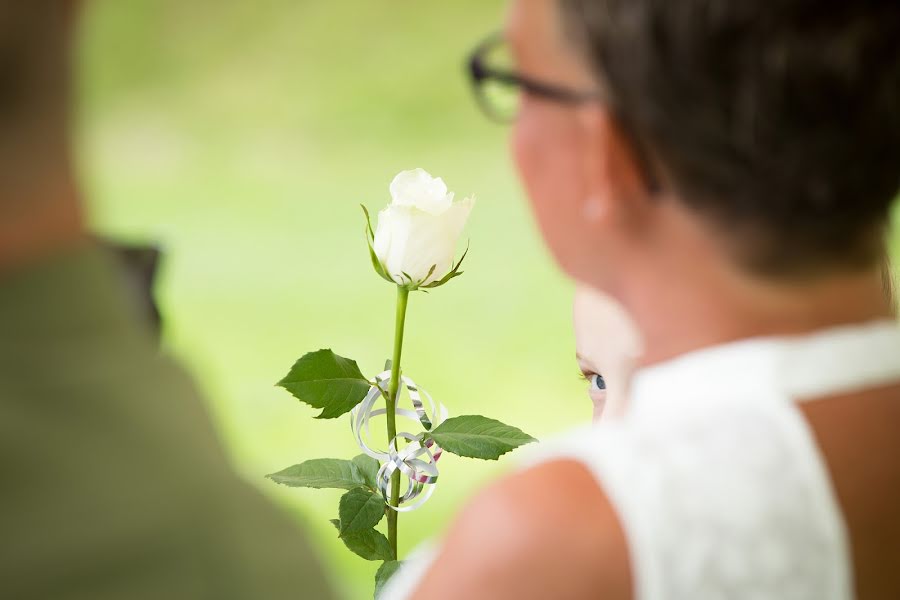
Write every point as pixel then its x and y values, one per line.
pixel 724 171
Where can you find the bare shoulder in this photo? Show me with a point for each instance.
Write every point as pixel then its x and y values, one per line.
pixel 546 532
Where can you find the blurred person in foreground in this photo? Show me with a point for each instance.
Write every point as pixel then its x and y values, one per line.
pixel 114 484
pixel 725 171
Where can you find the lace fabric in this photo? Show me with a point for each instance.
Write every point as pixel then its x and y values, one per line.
pixel 723 507
pixel 715 475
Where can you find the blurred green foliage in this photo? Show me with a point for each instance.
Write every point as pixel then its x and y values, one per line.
pixel 242 136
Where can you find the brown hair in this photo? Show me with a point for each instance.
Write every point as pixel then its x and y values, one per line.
pixel 778 120
pixel 33 59
pixel 887 279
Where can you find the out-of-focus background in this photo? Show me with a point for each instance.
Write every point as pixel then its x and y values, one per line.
pixel 242 136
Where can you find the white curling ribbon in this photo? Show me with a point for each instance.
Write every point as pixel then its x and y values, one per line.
pixel 429 417
pixel 421 475
pixel 416 460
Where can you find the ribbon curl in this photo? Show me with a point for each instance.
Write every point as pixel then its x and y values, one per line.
pixel 417 460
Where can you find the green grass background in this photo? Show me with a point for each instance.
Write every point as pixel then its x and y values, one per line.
pixel 242 136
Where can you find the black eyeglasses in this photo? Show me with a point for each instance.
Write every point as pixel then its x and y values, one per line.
pixel 497 91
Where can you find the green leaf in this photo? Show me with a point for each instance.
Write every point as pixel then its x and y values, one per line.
pixel 368 469
pixel 325 380
pixel 370 239
pixel 461 259
pixel 376 264
pixel 322 473
pixel 384 573
pixel 370 544
pixel 454 272
pixel 360 509
pixel 371 234
pixel 443 280
pixel 475 436
pixel 430 272
pixel 336 523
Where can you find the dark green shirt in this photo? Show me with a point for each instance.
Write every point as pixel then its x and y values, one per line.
pixel 112 481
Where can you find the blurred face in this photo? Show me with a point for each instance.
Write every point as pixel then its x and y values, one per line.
pixel 548 141
pixel 574 161
pixel 607 345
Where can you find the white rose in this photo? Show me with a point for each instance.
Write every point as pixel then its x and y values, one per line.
pixel 419 229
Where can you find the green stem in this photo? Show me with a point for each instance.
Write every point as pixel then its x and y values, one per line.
pixel 402 297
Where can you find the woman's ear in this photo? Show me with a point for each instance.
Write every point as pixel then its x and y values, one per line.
pixel 617 192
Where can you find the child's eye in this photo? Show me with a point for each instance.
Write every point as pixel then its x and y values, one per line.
pixel 597 382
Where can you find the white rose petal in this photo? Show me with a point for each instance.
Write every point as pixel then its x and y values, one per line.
pixel 410 240
pixel 419 189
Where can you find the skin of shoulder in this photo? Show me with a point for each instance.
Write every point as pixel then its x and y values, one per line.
pixel 545 532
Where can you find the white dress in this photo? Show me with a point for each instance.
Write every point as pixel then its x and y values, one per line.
pixel 715 475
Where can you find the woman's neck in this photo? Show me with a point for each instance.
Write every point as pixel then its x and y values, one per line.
pixel 715 305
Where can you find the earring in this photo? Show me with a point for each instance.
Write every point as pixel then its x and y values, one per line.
pixel 592 209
